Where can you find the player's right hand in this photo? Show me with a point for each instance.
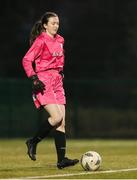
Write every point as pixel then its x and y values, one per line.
pixel 37 85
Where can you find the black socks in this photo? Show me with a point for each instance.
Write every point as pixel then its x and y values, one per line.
pixel 60 143
pixel 43 131
pixel 59 137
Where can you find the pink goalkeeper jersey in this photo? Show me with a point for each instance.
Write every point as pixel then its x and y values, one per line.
pixel 47 52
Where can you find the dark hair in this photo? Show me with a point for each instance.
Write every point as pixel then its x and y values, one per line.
pixel 38 26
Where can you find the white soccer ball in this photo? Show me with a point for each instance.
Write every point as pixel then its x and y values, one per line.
pixel 90 161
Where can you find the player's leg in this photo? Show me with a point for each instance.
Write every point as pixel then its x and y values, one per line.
pixel 60 143
pixel 45 128
pixel 60 136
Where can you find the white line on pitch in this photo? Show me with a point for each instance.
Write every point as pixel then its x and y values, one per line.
pixel 83 173
pixel 73 174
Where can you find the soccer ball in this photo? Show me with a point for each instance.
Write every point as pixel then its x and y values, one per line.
pixel 90 161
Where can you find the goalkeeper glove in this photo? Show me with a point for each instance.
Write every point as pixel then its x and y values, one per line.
pixel 37 85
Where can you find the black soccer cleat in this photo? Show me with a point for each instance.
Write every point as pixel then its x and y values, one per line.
pixel 66 163
pixel 31 149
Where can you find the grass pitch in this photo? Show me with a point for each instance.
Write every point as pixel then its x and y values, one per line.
pixel 119 160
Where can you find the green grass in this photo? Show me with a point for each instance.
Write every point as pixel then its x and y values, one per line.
pixel 116 154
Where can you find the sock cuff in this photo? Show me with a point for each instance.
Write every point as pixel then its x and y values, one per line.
pixel 60 138
pixel 60 132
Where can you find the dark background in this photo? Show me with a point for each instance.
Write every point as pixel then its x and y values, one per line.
pixel 100 65
pixel 100 36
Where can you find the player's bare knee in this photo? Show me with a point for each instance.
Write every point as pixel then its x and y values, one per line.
pixel 57 119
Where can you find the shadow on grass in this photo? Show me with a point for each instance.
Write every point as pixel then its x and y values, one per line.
pixel 28 168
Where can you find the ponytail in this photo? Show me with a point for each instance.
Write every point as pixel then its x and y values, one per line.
pixel 35 31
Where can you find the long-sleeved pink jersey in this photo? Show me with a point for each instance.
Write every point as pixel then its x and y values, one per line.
pixel 47 52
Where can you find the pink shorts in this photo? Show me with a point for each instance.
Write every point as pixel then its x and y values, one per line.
pixel 54 91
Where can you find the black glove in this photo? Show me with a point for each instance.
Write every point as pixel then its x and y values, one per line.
pixel 37 85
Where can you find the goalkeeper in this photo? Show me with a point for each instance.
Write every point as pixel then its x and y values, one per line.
pixel 46 52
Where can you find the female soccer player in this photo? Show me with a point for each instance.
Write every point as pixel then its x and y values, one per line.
pixel 43 64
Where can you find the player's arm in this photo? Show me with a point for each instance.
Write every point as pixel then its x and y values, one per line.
pixel 33 53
